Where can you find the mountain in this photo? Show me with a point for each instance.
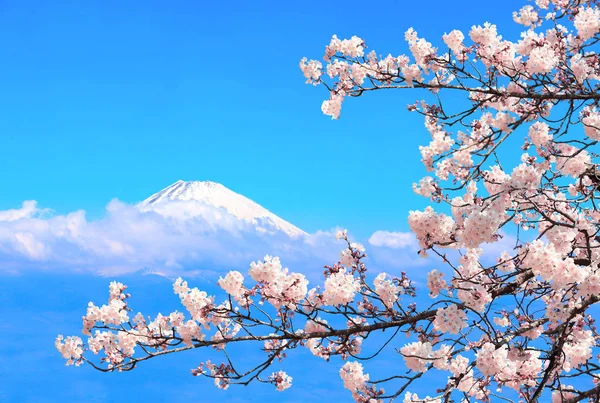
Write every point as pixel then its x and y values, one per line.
pixel 216 195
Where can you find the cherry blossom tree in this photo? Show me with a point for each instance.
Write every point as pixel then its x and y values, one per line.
pixel 518 328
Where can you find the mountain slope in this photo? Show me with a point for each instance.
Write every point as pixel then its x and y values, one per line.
pixel 217 195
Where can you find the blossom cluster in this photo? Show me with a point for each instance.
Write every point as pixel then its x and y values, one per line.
pixel 279 287
pixel 450 320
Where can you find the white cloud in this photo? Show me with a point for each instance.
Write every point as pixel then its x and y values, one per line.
pixel 190 237
pixel 28 209
pixel 393 252
pixel 182 238
pixel 394 240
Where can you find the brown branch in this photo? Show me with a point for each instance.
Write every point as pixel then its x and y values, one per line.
pixel 594 392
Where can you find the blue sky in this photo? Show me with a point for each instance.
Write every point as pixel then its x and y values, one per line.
pixel 111 99
pixel 103 100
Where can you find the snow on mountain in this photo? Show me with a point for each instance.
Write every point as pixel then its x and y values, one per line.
pixel 216 195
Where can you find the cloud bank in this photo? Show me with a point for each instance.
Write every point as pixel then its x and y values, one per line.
pixel 176 238
pixel 190 238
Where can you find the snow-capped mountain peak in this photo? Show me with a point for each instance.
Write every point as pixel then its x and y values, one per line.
pixel 217 195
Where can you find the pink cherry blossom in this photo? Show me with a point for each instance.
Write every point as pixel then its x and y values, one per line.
pixel 512 229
